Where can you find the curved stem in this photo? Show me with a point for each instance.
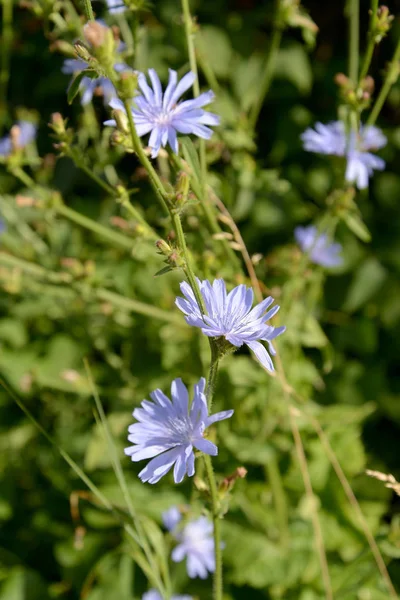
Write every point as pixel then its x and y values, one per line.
pixel 391 78
pixel 155 181
pixel 371 40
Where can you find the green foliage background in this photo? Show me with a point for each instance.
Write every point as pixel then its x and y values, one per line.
pixel 340 351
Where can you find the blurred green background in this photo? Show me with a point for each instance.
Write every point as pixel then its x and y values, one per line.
pixel 340 351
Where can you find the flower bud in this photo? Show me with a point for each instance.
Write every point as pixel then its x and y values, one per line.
pixel 122 120
pixel 163 247
pixel 82 52
pixel 95 33
pixel 57 123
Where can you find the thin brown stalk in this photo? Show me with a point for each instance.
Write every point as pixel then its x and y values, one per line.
pixel 242 246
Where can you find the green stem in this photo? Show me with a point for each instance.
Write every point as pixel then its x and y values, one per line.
pixel 371 40
pixel 121 198
pixel 87 5
pixel 213 372
pixel 390 79
pixel 161 194
pixel 176 220
pixel 7 36
pixel 78 160
pixel 208 213
pixel 267 76
pixel 83 288
pixel 218 582
pixel 102 231
pixel 354 32
pixel 80 219
pixel 278 492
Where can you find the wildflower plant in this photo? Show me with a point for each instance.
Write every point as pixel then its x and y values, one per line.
pixel 240 447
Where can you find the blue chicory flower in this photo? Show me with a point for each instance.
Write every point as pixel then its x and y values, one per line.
pixel 89 86
pixel 169 431
pixel 164 116
pixel 321 250
pixel 116 6
pixel 22 133
pixel 154 595
pixel 232 317
pixel 332 139
pixel 196 543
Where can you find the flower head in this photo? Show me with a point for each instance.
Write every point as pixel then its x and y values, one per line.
pixel 232 317
pixel 197 545
pixel 90 86
pixel 164 116
pixel 169 431
pixel 116 6
pixel 332 139
pixel 322 251
pixel 154 595
pixel 21 134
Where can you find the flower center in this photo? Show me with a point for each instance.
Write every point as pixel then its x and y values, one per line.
pixel 163 118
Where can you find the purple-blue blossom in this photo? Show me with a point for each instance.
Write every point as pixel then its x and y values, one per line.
pixel 88 86
pixel 116 6
pixel 164 116
pixel 196 544
pixel 320 248
pixel 332 139
pixel 154 595
pixel 169 431
pixel 21 134
pixel 232 317
pixel 171 518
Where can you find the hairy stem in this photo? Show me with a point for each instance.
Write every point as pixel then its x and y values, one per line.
pixel 87 5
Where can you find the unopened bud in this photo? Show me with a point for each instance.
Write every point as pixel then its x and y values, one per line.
pixel 342 80
pixel 15 133
pixel 63 47
pixel 163 247
pixel 128 84
pixel 57 123
pixel 122 120
pixel 95 33
pixel 182 188
pixel 82 52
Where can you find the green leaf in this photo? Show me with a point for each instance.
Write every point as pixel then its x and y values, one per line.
pixel 293 64
pixel 367 281
pixel 191 157
pixel 76 82
pixel 357 226
pixel 214 49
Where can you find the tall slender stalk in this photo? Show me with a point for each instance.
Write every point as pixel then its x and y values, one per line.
pixel 87 5
pixel 371 40
pixel 392 75
pixel 218 580
pixel 354 33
